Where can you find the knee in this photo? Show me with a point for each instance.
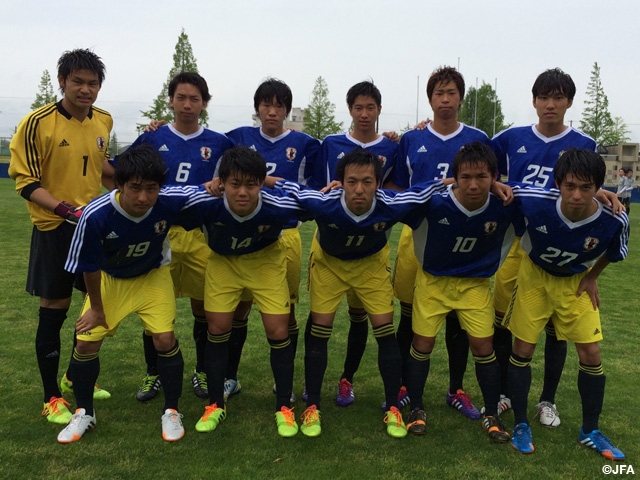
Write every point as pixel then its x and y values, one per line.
pixel 164 341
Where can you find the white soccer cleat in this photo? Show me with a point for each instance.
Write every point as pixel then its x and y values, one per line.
pixel 172 429
pixel 549 416
pixel 79 424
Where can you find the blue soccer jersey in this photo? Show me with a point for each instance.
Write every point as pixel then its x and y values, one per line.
pixel 108 238
pixel 190 159
pixel 562 247
pixel 229 234
pixel 526 156
pixel 291 155
pixel 453 241
pixel 334 147
pixel 348 236
pixel 426 155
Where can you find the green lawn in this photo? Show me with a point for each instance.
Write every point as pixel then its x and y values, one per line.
pixel 127 441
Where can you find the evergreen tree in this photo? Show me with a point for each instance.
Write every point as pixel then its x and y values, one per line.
pixel 489 117
pixel 183 61
pixel 319 118
pixel 113 145
pixel 46 93
pixel 596 120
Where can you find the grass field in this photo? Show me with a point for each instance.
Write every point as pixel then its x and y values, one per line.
pixel 353 444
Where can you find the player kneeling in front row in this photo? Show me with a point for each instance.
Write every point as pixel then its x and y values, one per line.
pixel 242 230
pixel 350 254
pixel 120 247
pixel 570 238
pixel 460 242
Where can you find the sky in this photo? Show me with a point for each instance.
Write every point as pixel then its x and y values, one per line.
pixel 398 44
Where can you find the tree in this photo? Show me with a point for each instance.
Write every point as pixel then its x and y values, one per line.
pixel 319 118
pixel 489 117
pixel 46 93
pixel 113 145
pixel 183 61
pixel 596 120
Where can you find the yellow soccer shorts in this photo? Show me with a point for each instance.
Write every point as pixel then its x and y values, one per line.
pixel 149 295
pixel 262 273
pixel 367 279
pixel 505 279
pixel 293 251
pixel 405 268
pixel 189 256
pixel 540 295
pixel 436 296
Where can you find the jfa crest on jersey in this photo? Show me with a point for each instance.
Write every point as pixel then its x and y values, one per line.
pixel 205 152
pixel 100 141
pixel 334 147
pixel 291 153
pixel 590 243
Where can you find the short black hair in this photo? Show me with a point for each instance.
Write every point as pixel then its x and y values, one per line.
pixel 242 161
pixel 360 157
pixel 366 89
pixel 80 59
pixel 270 88
pixel 553 81
pixel 583 164
pixel 476 153
pixel 192 78
pixel 445 75
pixel 141 162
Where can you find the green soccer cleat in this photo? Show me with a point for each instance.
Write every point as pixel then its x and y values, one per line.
pixel 311 422
pixel 286 422
pixel 66 386
pixel 56 411
pixel 395 425
pixel 211 418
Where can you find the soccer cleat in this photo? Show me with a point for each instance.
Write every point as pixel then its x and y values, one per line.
pixel 211 418
pixel 79 424
pixel 403 399
pixel 199 382
pixel 66 386
pixel 286 422
pixel 504 404
pixel 231 387
pixel 548 415
pixel 345 396
pixel 462 402
pixel 495 429
pixel 601 444
pixel 310 426
pixel 56 411
pixel 395 426
pixel 172 429
pixel 149 389
pixel 292 399
pixel 417 424
pixel 521 439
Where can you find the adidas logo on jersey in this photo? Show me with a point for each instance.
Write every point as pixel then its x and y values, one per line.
pixel 253 147
pixel 63 143
pixel 422 149
pixel 112 236
pixel 340 156
pixel 542 229
pixel 163 148
pixel 332 225
pixel 522 150
pixel 443 221
pixel 596 331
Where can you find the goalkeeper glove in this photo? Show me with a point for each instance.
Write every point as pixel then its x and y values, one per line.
pixel 70 213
